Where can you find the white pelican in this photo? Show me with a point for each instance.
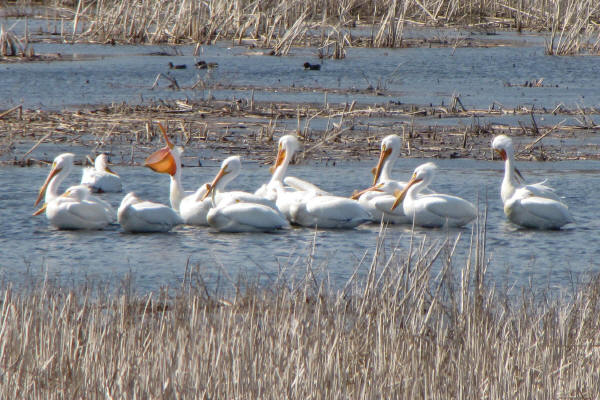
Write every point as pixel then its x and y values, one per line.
pixel 379 198
pixel 531 206
pixel 193 207
pixel 77 209
pixel 137 215
pixel 503 145
pixel 237 214
pixel 59 215
pixel 287 147
pixel 100 178
pixel 306 204
pixel 433 210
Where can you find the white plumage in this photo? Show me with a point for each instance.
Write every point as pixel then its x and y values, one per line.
pixel 193 207
pixel 138 216
pixel 100 178
pixel 306 204
pixel 240 211
pixel 529 205
pixel 433 210
pixel 286 148
pixel 76 208
pixel 379 198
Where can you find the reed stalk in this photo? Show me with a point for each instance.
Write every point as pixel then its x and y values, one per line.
pixel 268 24
pixel 412 325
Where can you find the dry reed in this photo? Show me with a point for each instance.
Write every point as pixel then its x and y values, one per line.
pixel 294 22
pixel 401 331
pixel 247 127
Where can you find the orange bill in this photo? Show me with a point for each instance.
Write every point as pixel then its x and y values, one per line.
pixel 222 172
pixel 374 188
pixel 164 131
pixel 279 160
pixel 51 175
pixel 41 210
pixel 385 153
pixel 110 171
pixel 401 194
pixel 162 161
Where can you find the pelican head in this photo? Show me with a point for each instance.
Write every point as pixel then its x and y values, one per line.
pixel 423 174
pixel 165 160
pixel 288 145
pixel 230 168
pixel 503 145
pixel 101 164
pixel 390 150
pixel 62 165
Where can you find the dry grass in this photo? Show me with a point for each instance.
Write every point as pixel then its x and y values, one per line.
pixel 401 331
pixel 573 28
pixel 279 25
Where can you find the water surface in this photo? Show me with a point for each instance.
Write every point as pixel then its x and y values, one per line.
pixel 517 256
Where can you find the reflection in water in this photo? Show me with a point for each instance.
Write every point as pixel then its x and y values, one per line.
pixel 156 260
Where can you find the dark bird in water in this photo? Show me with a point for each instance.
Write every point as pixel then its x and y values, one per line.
pixel 204 65
pixel 173 66
pixel 313 67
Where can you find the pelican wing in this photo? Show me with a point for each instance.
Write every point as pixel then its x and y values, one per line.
pixel 257 215
pixel 446 206
pixel 336 208
pixel 384 203
pixel 232 197
pixel 547 209
pixel 246 217
pixel 88 211
pixel 541 190
pixel 300 184
pixel 154 213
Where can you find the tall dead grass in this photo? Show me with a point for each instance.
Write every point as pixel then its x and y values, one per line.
pixel 574 28
pixel 401 331
pixel 298 22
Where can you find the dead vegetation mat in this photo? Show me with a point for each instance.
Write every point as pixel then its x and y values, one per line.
pixel 212 129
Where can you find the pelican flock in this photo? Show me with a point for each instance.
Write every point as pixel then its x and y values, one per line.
pixel 284 200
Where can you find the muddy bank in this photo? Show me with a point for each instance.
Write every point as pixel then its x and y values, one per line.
pixel 214 129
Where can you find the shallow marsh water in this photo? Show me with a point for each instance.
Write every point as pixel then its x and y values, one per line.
pixel 112 74
pixel 104 74
pixel 547 258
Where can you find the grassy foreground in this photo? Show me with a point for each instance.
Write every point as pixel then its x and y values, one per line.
pixel 399 332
